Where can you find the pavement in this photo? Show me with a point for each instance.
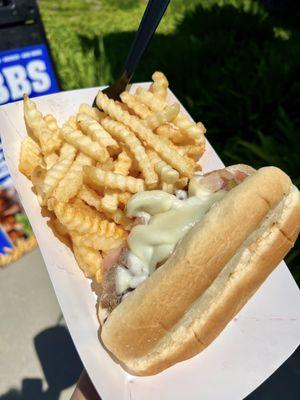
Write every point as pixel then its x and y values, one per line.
pixel 38 360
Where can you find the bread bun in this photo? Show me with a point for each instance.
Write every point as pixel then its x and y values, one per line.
pixel 214 270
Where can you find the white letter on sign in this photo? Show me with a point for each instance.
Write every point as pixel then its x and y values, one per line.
pixel 37 72
pixel 4 93
pixel 17 81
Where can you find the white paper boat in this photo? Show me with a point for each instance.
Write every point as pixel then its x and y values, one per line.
pixel 261 337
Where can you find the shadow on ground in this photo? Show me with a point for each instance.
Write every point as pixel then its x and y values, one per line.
pixel 238 72
pixel 60 363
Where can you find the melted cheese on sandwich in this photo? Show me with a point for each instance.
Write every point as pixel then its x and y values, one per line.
pixel 170 219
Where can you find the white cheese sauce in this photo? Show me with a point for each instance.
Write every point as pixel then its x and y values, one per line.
pixel 170 219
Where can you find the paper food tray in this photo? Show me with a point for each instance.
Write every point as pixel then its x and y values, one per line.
pixel 254 344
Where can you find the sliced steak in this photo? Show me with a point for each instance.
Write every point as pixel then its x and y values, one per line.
pixel 109 298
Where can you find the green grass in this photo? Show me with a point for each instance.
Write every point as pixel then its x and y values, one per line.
pixel 232 65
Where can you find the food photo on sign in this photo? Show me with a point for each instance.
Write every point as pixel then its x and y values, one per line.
pixel 163 260
pixel 16 236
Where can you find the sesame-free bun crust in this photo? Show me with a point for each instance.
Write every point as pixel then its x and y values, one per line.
pixel 215 269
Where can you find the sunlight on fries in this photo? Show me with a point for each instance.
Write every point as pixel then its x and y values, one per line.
pixel 30 156
pixel 86 170
pixel 160 85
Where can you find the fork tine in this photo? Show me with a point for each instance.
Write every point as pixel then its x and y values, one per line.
pixel 113 91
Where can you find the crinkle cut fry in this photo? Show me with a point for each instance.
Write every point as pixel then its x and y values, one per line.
pixel 72 123
pixel 107 166
pixel 56 173
pixel 167 187
pixel 38 128
pixel 166 173
pixel 124 197
pixel 123 163
pixel 50 159
pixel 181 183
pixel 150 100
pixel 183 122
pixel 160 85
pixel 51 122
pixel 49 141
pixel 179 149
pixel 92 198
pixel 101 243
pixel 37 179
pixel 88 259
pixel 98 178
pixel 92 112
pixel 193 150
pixel 85 144
pixel 190 128
pixel 38 175
pixel 75 218
pixel 108 236
pixel 95 130
pixel 120 218
pixel 55 141
pixel 140 109
pixel 69 186
pixel 170 131
pixel 33 118
pixel 110 200
pixel 30 156
pixel 59 228
pixel 145 134
pixel 161 117
pixel 122 133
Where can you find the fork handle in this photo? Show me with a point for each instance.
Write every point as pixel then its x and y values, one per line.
pixel 152 15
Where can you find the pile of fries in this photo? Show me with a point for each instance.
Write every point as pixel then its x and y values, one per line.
pixel 86 171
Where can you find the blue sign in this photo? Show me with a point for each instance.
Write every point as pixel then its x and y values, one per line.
pixel 4 173
pixel 27 70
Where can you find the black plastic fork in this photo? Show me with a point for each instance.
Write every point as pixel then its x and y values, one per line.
pixel 151 18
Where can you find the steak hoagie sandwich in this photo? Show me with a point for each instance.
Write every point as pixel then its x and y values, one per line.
pixel 192 261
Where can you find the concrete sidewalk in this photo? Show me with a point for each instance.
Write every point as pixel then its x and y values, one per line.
pixel 38 358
